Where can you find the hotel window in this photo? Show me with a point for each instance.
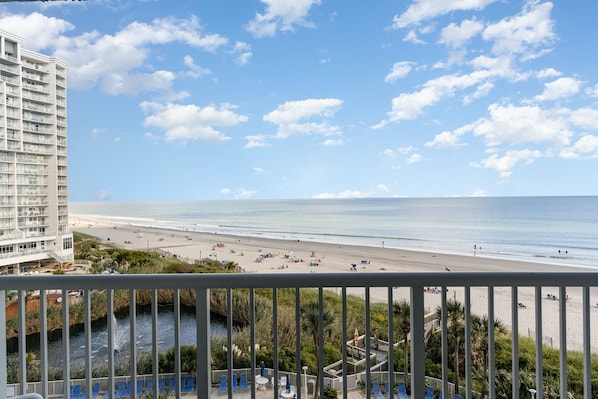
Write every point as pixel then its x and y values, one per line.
pixel 67 243
pixel 4 249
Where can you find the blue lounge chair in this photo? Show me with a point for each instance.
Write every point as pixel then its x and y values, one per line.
pixel 121 387
pixel 430 393
pixel 76 391
pixel 243 382
pixel 189 385
pixel 171 385
pixel 124 390
pixel 457 396
pixel 376 390
pixel 234 382
pixel 139 390
pixel 390 393
pixel 223 383
pixel 161 385
pixel 95 389
pixel 149 387
pixel 402 390
pixel 107 393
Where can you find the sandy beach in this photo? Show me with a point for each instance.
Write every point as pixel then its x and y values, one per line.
pixel 261 255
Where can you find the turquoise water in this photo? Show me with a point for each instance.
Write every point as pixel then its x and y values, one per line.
pixel 562 230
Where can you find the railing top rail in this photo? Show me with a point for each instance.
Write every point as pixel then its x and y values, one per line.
pixel 300 280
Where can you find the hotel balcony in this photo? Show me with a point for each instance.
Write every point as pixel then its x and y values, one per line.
pixel 364 358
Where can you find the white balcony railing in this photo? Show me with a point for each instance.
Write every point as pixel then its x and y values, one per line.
pixel 412 287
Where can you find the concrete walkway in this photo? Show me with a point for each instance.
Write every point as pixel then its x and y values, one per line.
pixel 269 394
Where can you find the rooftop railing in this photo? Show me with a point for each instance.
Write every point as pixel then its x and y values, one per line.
pixel 374 288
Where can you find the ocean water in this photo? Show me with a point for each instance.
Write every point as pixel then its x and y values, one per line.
pixel 557 230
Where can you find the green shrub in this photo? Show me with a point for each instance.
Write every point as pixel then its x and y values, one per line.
pixel 330 393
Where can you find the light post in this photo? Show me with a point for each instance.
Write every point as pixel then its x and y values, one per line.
pixel 533 392
pixel 305 379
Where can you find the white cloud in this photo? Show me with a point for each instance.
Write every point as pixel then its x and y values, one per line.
pixel 281 15
pixel 406 150
pixel 548 73
pixel 191 122
pixel 333 142
pixel 411 37
pixel 243 52
pixel 239 193
pixel 38 31
pixel 415 158
pixel 586 118
pixel 592 91
pixel 527 124
pixel 529 30
pixel 293 117
pixel 409 106
pixel 382 187
pixel 137 83
pixel 560 88
pixel 585 147
pixel 293 111
pixel 422 10
pixel 455 35
pixel 259 171
pixel 127 49
pixel 242 193
pixel 344 194
pixel 96 132
pixel 399 70
pixel 478 192
pixel 195 71
pixel 389 153
pixel 256 141
pixel 505 164
pixel 444 140
pixel 152 137
pixel 100 195
pixel 481 91
pixel 510 126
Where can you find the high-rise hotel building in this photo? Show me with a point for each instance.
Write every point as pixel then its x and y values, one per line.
pixel 34 228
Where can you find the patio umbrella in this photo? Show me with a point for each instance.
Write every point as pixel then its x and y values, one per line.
pixel 288 383
pixel 356 338
pixel 263 369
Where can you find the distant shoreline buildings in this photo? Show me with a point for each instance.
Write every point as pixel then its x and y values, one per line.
pixel 34 230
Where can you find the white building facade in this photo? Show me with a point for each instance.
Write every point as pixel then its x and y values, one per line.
pixel 34 228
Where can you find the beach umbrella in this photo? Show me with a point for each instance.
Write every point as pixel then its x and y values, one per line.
pixel 356 337
pixel 263 370
pixel 288 382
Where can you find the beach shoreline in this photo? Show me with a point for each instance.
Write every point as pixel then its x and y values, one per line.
pixel 267 255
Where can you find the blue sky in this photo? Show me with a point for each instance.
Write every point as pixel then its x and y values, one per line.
pixel 227 99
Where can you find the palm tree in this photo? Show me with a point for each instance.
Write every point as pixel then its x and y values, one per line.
pixel 402 313
pixel 310 314
pixel 31 361
pixel 32 364
pixel 479 335
pixel 455 315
